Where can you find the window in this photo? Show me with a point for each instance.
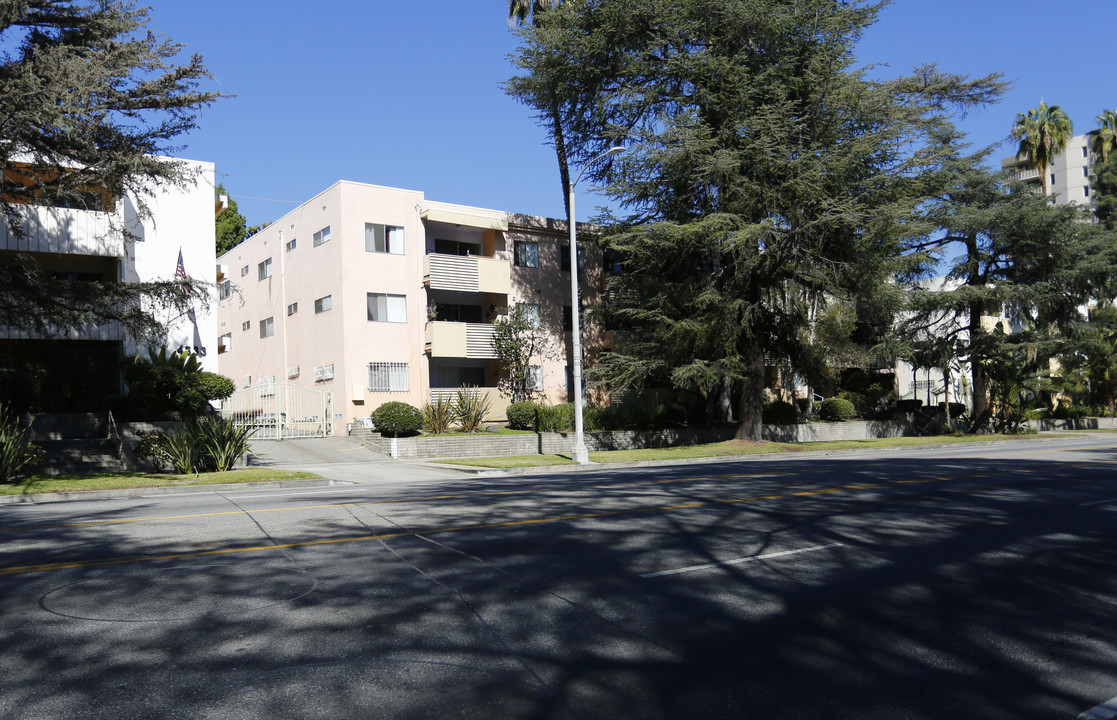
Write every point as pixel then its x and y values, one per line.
pixel 532 314
pixel 1085 152
pixel 564 257
pixel 322 236
pixel 267 327
pixel 450 312
pixel 535 378
pixel 321 305
pixel 527 254
pixel 389 377
pixel 225 290
pixel 1085 172
pixel 567 319
pixel 290 244
pixel 1086 191
pixel 292 308
pixel 264 269
pixel 1052 180
pixel 570 383
pixel 225 343
pixel 387 308
pixel 244 271
pixel 383 239
pixel 246 325
pixel 453 247
pixel 324 372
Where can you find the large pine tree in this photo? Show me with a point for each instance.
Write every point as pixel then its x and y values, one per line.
pixel 764 172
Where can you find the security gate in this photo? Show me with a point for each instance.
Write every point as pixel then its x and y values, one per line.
pixel 281 410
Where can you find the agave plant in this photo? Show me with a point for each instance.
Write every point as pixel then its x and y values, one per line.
pixel 181 448
pixel 16 452
pixel 471 408
pixel 438 415
pixel 221 442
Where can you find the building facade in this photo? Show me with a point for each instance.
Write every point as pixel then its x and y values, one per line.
pixel 1068 175
pixel 376 294
pixel 110 240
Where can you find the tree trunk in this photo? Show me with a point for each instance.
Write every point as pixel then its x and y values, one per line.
pixel 978 372
pixel 751 418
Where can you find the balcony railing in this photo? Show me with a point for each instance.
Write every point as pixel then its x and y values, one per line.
pixel 1026 175
pixel 460 340
pixel 467 274
pixel 63 230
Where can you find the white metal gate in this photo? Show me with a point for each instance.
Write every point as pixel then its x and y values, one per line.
pixel 279 410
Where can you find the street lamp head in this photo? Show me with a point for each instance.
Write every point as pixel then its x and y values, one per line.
pixel 615 150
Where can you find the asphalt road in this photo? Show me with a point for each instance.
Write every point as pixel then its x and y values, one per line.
pixel 954 583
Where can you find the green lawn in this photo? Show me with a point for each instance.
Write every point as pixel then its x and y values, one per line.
pixel 117 481
pixel 729 448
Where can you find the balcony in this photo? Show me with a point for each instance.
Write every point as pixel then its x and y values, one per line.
pixel 467 274
pixel 1027 175
pixel 64 230
pixel 460 340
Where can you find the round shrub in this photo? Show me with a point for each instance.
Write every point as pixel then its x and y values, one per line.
pixel 397 419
pixel 521 415
pixel 780 413
pixel 836 409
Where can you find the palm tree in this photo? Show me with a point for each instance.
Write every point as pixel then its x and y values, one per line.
pixel 524 12
pixel 1105 137
pixel 1043 133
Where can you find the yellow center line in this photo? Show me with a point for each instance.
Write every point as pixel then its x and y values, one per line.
pixel 432 531
pixel 426 498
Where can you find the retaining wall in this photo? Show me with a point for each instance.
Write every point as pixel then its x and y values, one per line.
pixel 482 445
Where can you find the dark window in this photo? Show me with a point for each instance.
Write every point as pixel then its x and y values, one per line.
pixel 453 247
pixel 527 254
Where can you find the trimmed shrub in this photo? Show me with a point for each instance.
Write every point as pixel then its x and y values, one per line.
pixel 397 419
pixel 780 413
pixel 836 410
pixel 150 449
pixel 557 418
pixel 521 415
pixel 603 418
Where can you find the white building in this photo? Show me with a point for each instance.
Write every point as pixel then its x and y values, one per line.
pixel 110 242
pixel 1068 175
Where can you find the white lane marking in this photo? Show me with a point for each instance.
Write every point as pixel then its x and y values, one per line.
pixel 1099 502
pixel 1106 711
pixel 692 568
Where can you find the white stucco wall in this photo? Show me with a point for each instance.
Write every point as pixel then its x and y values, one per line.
pixel 178 218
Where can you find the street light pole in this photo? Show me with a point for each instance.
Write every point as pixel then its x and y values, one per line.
pixel 580 455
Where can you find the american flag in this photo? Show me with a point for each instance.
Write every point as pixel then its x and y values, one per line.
pixel 180 275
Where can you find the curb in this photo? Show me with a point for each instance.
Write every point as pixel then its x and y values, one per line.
pixel 128 493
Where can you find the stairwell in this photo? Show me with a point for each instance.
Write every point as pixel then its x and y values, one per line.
pixel 77 443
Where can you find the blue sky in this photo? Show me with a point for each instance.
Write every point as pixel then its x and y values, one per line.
pixel 407 94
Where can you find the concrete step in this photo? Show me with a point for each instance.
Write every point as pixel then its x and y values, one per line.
pixel 78 456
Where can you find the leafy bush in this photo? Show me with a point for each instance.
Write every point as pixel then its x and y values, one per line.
pixel 836 409
pixel 16 451
pixel 150 449
pixel 397 419
pixel 438 416
pixel 521 415
pixel 780 413
pixel 556 418
pixel 165 381
pixel 471 408
pixel 672 414
pixel 606 418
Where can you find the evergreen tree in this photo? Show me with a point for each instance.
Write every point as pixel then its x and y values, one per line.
pixel 1021 269
pixel 90 103
pixel 763 173
pixel 1105 191
pixel 231 225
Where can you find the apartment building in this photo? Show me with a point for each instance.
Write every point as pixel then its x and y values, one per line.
pixel 106 238
pixel 1068 175
pixel 368 294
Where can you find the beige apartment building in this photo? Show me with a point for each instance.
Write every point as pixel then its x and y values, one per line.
pixel 1068 175
pixel 367 294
